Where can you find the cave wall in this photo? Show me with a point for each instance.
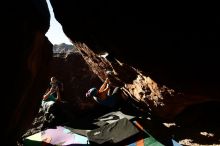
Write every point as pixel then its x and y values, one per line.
pixel 126 30
pixel 176 43
pixel 24 77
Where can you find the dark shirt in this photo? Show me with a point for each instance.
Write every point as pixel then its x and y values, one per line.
pixel 56 85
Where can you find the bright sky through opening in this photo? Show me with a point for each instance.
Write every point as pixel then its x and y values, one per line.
pixel 55 33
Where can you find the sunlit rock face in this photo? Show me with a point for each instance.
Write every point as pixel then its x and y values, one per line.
pixel 162 100
pixel 82 69
pixel 175 46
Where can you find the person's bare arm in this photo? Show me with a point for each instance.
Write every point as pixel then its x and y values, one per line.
pixel 104 85
pixel 104 90
pixel 58 95
pixel 46 95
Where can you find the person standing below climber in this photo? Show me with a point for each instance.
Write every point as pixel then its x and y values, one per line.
pixel 103 95
pixel 52 94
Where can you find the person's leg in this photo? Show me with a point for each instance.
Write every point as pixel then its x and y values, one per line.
pixel 43 107
pixel 58 95
pixel 116 91
pixel 49 105
pixel 116 94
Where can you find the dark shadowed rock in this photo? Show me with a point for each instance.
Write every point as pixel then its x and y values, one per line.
pixel 25 70
pixel 77 77
pixel 175 44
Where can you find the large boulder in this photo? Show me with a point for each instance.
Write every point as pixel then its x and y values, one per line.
pixel 24 78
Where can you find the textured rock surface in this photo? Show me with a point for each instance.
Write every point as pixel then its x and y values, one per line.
pixel 164 101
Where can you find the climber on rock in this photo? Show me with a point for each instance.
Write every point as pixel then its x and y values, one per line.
pixel 118 99
pixel 104 96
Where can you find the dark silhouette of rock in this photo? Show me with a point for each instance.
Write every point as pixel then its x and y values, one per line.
pixel 24 78
pixel 172 43
pixel 76 75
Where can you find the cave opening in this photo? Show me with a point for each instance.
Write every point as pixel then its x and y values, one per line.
pixel 188 74
pixel 55 32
